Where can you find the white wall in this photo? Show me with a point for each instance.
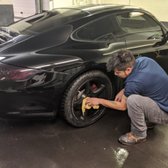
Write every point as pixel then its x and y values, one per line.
pixel 5 2
pixel 60 3
pixel 23 8
pixel 126 2
pixel 158 8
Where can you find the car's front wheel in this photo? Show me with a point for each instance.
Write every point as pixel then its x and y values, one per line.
pixel 90 84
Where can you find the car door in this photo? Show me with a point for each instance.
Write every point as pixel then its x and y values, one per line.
pixel 142 32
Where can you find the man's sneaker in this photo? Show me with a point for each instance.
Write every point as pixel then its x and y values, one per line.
pixel 131 139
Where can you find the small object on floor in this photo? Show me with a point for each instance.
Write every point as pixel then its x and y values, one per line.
pixel 131 139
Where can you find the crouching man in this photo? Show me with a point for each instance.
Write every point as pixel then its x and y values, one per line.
pixel 145 94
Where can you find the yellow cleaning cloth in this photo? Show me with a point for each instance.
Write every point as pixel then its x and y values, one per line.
pixel 86 106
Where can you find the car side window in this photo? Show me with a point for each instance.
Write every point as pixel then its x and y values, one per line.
pixel 139 25
pixel 102 29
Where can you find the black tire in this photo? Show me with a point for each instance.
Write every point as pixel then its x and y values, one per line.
pixel 92 84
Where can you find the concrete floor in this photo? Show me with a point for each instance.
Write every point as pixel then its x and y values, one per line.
pixel 47 144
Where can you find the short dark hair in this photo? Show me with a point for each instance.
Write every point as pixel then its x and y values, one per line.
pixel 121 60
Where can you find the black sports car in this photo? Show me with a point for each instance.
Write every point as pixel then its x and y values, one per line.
pixel 50 61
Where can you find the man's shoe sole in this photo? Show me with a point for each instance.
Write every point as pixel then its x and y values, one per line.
pixel 133 143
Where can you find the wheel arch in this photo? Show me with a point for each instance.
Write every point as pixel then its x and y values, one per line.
pixel 94 68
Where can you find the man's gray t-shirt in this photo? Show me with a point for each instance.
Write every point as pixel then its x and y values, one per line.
pixel 150 80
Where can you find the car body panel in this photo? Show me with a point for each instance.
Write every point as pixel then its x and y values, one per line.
pixel 58 46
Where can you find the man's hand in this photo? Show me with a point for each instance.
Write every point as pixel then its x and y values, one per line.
pixel 118 105
pixel 92 101
pixel 119 96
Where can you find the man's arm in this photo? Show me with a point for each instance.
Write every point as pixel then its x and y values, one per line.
pixel 108 103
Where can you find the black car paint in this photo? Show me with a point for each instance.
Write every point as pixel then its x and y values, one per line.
pixel 54 52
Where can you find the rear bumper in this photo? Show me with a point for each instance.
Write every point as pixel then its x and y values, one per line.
pixel 24 104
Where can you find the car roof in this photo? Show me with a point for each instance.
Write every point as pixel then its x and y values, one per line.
pixel 100 8
pixel 59 16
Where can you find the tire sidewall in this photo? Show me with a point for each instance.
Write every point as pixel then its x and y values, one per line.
pixel 72 89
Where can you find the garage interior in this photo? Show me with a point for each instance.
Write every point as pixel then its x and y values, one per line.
pixel 56 144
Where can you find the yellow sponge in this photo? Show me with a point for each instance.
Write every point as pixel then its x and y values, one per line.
pixel 86 106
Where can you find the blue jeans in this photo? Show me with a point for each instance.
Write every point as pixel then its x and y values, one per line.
pixel 142 109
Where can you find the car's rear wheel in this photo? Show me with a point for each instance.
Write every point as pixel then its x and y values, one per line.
pixel 90 84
